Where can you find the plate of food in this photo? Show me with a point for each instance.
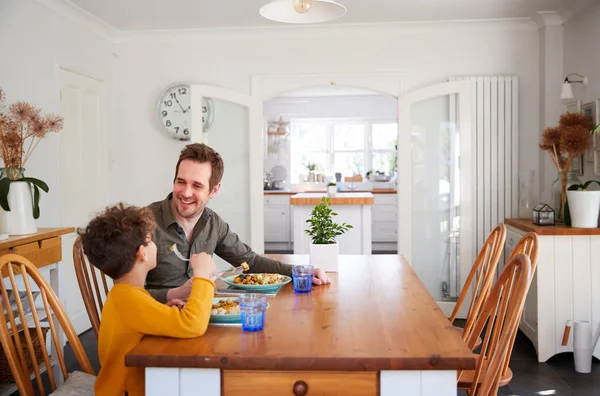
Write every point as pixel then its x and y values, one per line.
pixel 258 282
pixel 225 310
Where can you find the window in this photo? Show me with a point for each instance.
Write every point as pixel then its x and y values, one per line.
pixel 346 146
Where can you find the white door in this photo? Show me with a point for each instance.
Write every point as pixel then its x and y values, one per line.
pixel 435 194
pixel 235 116
pixel 83 174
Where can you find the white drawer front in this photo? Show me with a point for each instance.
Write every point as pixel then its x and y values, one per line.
pixel 283 199
pixel 385 231
pixel 385 199
pixel 385 213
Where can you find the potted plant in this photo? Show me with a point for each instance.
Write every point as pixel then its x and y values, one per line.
pixel 22 127
pixel 324 249
pixel 583 205
pixel 331 189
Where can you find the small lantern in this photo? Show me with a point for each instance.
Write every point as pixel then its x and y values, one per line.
pixel 543 214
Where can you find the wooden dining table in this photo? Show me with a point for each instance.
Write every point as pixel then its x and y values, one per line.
pixel 375 330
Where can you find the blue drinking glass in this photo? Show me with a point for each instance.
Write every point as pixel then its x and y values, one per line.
pixel 252 309
pixel 302 276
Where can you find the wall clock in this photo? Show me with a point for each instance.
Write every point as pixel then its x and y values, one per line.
pixel 174 113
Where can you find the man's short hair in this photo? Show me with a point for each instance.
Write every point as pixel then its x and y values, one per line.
pixel 201 153
pixel 111 240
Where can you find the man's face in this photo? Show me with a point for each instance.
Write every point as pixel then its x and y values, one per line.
pixel 191 190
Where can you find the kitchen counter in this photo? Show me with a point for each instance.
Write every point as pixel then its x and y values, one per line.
pixel 283 192
pixel 343 198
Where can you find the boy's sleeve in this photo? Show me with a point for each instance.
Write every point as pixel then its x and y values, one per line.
pixel 146 315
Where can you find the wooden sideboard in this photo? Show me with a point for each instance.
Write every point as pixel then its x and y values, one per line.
pixel 44 250
pixel 566 285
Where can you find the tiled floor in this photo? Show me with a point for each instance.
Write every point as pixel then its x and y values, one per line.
pixel 555 377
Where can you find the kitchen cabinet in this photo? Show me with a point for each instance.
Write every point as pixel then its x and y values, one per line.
pixel 384 222
pixel 566 285
pixel 277 222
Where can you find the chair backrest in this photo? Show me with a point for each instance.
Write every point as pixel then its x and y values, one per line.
pixel 481 277
pixel 89 278
pixel 23 328
pixel 499 317
pixel 529 246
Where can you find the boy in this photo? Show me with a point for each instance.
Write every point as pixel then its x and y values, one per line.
pixel 119 243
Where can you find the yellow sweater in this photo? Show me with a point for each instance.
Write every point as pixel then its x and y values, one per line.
pixel 130 313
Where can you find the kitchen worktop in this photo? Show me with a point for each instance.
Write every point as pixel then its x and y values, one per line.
pixel 283 192
pixel 341 198
pixel 557 229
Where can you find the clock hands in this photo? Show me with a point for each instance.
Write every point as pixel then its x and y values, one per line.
pixel 180 104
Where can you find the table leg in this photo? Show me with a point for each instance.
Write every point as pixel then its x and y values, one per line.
pixel 55 285
pixel 418 383
pixel 182 382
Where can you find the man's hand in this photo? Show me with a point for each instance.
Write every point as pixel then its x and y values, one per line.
pixel 320 277
pixel 203 265
pixel 175 303
pixel 180 293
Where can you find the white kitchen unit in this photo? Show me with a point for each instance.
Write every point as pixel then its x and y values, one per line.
pixel 277 221
pixel 384 221
pixel 566 285
pixel 352 208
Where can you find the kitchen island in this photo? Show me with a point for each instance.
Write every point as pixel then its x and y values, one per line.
pixel 352 208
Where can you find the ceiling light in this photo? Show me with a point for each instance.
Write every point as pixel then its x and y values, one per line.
pixel 302 6
pixel 567 90
pixel 302 11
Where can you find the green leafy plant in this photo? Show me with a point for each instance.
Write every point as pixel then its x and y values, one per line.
pixel 323 230
pixel 331 185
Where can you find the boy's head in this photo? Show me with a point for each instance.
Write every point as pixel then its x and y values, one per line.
pixel 114 241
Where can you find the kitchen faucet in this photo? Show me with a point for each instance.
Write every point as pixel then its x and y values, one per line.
pixel 352 186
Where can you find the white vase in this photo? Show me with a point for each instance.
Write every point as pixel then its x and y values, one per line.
pixel 324 256
pixel 19 220
pixel 584 207
pixel 331 191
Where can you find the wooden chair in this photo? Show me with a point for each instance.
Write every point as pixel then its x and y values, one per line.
pixel 500 317
pixel 19 346
pixel 92 296
pixel 480 278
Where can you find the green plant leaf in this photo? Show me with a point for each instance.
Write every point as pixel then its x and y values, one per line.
pixel 595 130
pixel 36 182
pixel 4 187
pixel 36 202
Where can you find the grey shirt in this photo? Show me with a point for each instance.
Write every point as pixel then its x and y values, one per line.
pixel 211 235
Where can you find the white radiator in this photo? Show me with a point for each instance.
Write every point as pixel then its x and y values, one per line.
pixel 496 137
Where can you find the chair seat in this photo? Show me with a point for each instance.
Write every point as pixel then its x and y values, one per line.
pixel 78 384
pixel 460 331
pixel 465 379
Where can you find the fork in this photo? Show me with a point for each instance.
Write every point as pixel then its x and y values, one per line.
pixel 232 271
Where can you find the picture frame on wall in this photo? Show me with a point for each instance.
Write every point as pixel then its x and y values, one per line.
pixel 596 120
pixel 573 106
pixel 590 110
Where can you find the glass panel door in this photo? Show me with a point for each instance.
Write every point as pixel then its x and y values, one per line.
pixel 434 193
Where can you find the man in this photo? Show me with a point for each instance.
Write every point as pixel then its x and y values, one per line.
pixel 183 218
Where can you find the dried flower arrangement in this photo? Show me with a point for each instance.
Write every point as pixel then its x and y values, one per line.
pixel 22 127
pixel 568 140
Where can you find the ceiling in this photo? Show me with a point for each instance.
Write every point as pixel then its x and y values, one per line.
pixel 145 15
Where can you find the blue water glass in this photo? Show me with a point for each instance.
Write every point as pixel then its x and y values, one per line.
pixel 252 308
pixel 302 276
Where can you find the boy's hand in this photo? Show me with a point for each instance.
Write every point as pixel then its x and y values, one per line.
pixel 180 293
pixel 203 265
pixel 176 303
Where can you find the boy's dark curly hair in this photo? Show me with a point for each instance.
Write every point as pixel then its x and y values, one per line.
pixel 111 240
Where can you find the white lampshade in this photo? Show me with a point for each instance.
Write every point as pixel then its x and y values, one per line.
pixel 321 11
pixel 567 91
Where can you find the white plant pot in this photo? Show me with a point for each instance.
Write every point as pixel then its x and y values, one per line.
pixel 324 256
pixel 582 346
pixel 331 191
pixel 19 221
pixel 584 207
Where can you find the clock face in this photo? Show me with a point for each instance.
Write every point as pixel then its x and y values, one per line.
pixel 174 111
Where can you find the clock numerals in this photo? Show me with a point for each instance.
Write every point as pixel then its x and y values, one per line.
pixel 168 103
pixel 164 113
pixel 186 132
pixel 168 123
pixel 174 112
pixel 182 91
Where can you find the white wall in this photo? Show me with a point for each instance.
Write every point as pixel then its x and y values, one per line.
pixel 427 55
pixel 581 38
pixel 35 42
